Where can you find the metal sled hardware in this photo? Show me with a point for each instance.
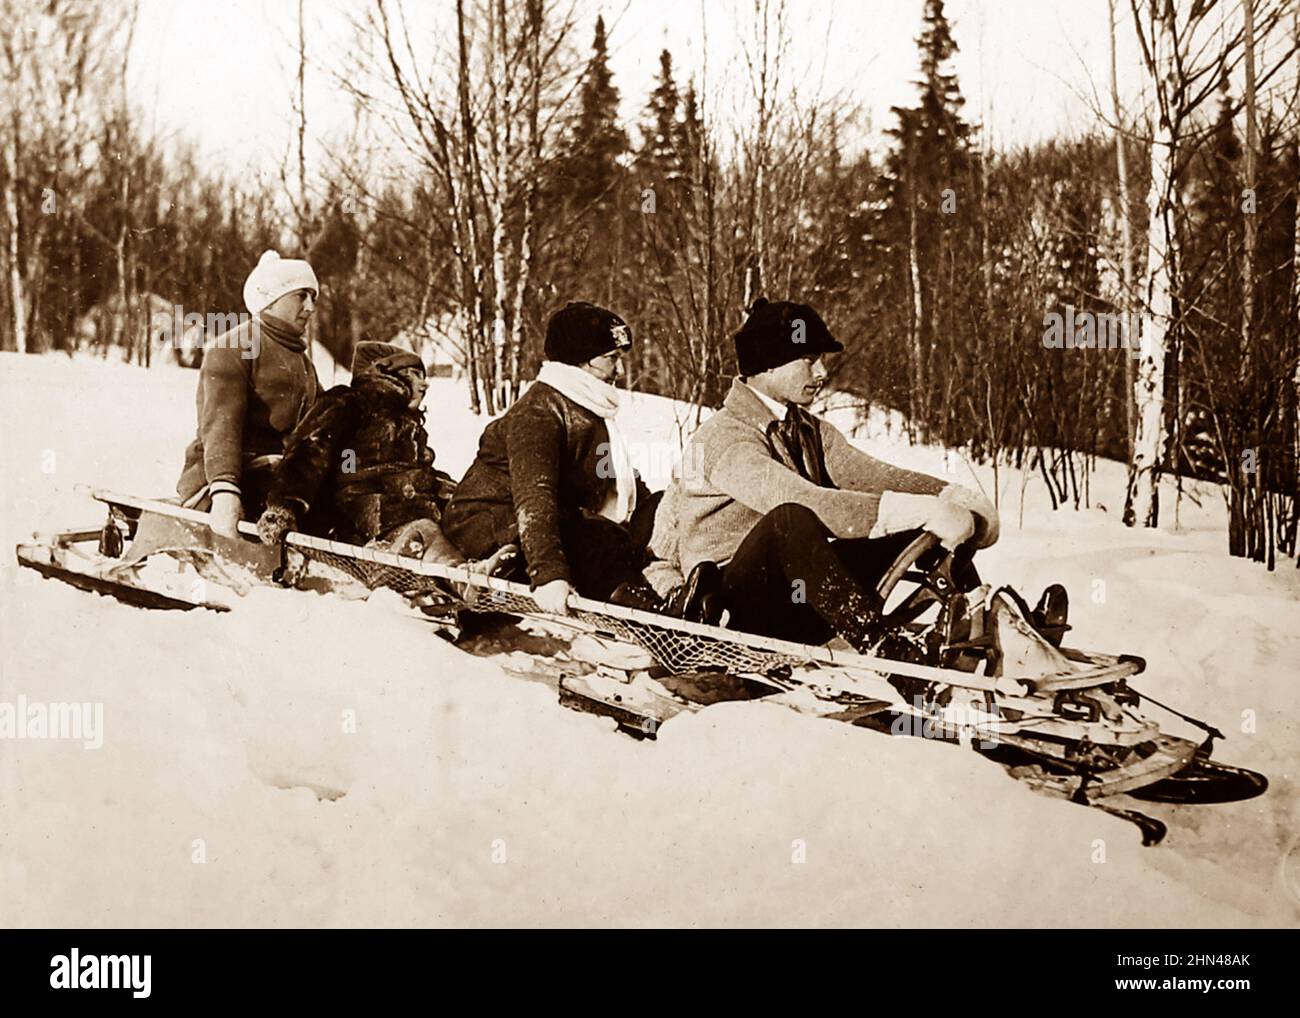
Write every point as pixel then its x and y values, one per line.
pixel 1079 733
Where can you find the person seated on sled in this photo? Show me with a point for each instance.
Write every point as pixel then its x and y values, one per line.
pixel 553 475
pixel 777 517
pixel 358 468
pixel 256 383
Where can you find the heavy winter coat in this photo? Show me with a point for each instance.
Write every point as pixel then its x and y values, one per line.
pixel 546 459
pixel 246 405
pixel 358 465
pixel 732 475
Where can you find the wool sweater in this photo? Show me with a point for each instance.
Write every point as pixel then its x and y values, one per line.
pixel 731 476
pixel 246 405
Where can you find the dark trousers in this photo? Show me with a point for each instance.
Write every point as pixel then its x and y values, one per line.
pixel 603 554
pixel 791 579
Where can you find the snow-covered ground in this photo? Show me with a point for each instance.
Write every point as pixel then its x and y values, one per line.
pixel 308 761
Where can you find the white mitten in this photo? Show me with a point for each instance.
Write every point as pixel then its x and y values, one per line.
pixel 986 517
pixel 900 511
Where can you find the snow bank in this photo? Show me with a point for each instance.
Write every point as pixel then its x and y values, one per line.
pixel 310 761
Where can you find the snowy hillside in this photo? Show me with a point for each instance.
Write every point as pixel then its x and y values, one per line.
pixel 228 790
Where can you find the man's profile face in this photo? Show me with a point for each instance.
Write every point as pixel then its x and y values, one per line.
pixel 797 382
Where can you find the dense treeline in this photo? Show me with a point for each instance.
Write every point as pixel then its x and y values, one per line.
pixel 519 186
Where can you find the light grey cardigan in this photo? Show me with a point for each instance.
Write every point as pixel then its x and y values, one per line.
pixel 729 479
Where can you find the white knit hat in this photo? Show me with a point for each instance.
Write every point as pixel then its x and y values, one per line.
pixel 273 277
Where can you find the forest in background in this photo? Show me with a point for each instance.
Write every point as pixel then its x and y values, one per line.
pixel 509 184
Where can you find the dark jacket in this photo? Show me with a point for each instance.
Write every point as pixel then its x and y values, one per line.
pixel 246 405
pixel 359 465
pixel 539 463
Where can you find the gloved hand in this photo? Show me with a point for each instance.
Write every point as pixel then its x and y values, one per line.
pixel 275 523
pixel 987 526
pixel 227 510
pixel 900 511
pixel 950 523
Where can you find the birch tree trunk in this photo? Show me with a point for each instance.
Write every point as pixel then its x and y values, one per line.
pixel 1141 505
pixel 918 308
pixel 479 361
pixel 17 291
pixel 303 211
pixel 532 171
pixel 499 106
pixel 1126 240
pixel 1291 530
pixel 1245 514
pixel 14 50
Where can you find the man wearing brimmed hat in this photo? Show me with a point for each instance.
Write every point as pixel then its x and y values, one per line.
pixel 553 474
pixel 358 468
pixel 248 404
pixel 775 510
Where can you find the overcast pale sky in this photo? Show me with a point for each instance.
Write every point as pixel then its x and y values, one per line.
pixel 220 72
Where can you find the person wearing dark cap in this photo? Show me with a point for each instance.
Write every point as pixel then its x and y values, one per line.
pixel 358 468
pixel 553 474
pixel 775 510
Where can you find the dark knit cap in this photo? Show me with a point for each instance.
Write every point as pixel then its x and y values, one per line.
pixel 779 332
pixel 369 357
pixel 580 331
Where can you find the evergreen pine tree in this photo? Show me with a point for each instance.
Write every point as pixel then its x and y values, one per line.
pixel 584 198
pixel 659 161
pixel 589 165
pixel 690 133
pixel 930 200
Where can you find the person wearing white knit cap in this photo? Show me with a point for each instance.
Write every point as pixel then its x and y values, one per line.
pixel 256 383
pixel 275 278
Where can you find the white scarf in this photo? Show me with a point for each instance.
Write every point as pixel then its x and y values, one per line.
pixel 602 399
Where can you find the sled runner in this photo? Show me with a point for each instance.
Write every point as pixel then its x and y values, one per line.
pixel 1078 732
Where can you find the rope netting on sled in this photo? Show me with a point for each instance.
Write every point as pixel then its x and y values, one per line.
pixel 678 645
pixel 671 643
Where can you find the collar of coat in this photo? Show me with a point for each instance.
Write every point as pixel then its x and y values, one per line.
pixel 794 440
pixel 287 334
pixel 746 404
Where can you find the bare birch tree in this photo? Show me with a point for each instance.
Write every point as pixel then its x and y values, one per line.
pixel 476 111
pixel 1159 41
pixel 52 61
pixel 1126 233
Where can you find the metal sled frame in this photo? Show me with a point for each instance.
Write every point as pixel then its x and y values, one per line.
pixel 1079 734
pixel 678 645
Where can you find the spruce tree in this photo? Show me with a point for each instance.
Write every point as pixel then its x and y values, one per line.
pixel 659 161
pixel 930 206
pixel 585 193
pixel 594 142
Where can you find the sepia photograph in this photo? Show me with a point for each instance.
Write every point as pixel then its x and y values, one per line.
pixel 650 465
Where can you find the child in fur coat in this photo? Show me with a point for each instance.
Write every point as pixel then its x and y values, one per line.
pixel 358 467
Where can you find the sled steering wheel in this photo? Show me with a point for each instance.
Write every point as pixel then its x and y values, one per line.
pixel 918 583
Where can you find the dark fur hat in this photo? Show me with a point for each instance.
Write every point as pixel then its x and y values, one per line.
pixel 580 331
pixel 778 332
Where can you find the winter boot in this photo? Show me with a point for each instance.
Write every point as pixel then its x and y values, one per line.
pixel 699 599
pixel 1052 611
pixel 638 594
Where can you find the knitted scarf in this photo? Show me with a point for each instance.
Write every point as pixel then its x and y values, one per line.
pixel 285 333
pixel 601 399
